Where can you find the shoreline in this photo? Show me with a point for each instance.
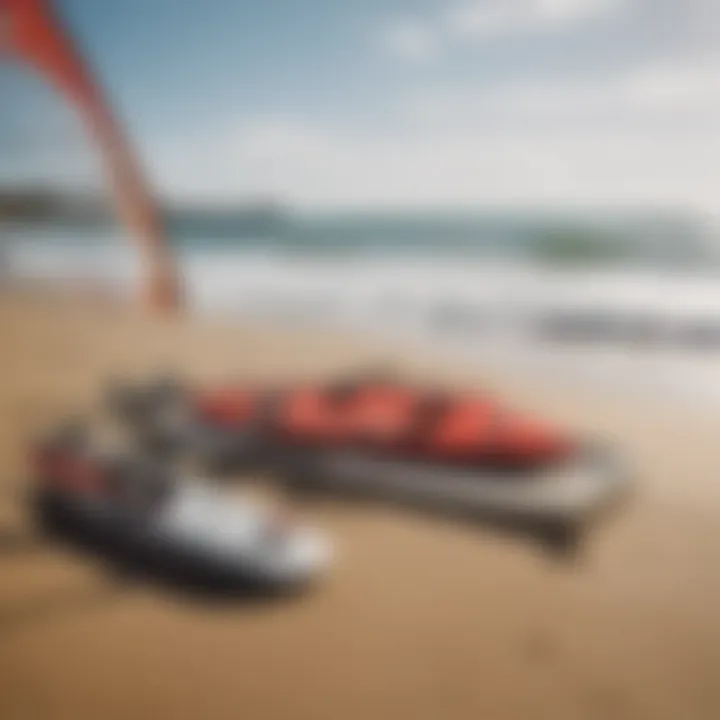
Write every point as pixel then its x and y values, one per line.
pixel 645 334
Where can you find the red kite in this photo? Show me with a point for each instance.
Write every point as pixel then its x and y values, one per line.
pixel 32 32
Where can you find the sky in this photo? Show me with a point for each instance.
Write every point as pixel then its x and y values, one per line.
pixel 357 103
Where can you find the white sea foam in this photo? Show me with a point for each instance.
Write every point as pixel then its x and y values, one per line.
pixel 494 311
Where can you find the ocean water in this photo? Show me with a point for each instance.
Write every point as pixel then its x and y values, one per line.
pixel 645 318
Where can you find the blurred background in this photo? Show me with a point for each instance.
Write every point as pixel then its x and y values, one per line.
pixel 485 175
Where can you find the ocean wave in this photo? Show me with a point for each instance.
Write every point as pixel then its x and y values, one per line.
pixel 627 326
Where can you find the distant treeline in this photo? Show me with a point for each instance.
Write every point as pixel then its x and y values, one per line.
pixel 578 239
pixel 45 205
pixel 42 206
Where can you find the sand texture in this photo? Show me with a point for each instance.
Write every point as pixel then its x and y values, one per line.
pixel 421 618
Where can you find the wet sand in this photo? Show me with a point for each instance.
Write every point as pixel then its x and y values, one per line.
pixel 421 617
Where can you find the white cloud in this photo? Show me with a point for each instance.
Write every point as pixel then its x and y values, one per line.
pixel 416 39
pixel 500 17
pixel 562 11
pixel 647 135
pixel 467 21
pixel 319 168
pixel 650 93
pixel 409 39
pixel 667 85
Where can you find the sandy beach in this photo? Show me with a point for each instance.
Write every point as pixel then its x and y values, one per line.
pixel 420 618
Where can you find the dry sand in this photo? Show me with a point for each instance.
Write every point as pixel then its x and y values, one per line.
pixel 421 618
